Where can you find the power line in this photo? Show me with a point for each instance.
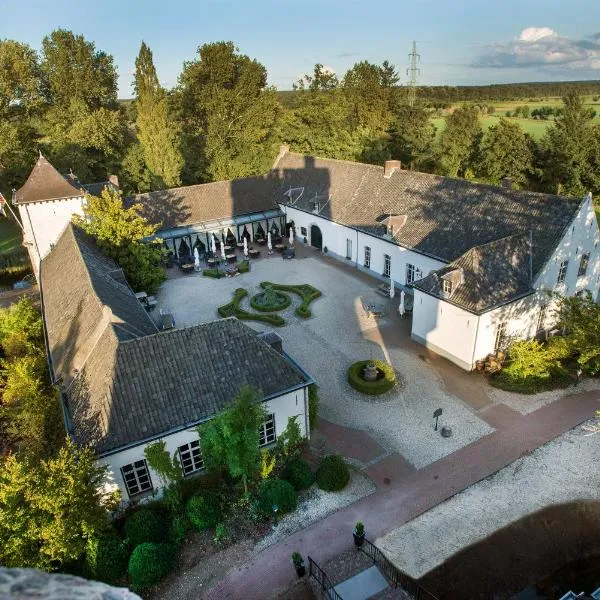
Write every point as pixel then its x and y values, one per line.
pixel 412 73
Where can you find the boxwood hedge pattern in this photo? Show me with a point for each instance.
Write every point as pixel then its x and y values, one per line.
pixel 373 388
pixel 307 294
pixel 232 309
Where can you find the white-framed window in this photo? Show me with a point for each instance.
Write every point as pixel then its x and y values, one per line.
pixel 387 265
pixel 562 272
pixel 500 337
pixel 348 248
pixel 136 477
pixel 583 264
pixel 267 431
pixel 447 287
pixel 190 456
pixel 367 257
pixel 412 274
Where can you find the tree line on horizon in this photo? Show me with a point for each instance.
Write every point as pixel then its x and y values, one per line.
pixel 223 121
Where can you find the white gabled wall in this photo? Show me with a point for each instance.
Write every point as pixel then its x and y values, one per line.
pixel 283 407
pixel 47 220
pixel 335 238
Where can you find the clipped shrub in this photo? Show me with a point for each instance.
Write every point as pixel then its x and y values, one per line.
pixel 106 557
pixel 178 530
pixel 145 525
pixel 149 563
pixel 214 273
pixel 199 484
pixel 299 474
pixel 204 511
pixel 281 301
pixel 277 492
pixel 313 405
pixel 373 388
pixel 244 266
pixel 232 309
pixel 332 474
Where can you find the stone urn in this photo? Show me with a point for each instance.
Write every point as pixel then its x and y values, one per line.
pixel 370 372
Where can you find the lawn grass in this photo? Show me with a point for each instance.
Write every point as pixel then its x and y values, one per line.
pixel 534 127
pixel 10 235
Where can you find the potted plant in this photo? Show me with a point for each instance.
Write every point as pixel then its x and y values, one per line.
pixel 359 534
pixel 304 239
pixel 325 249
pixel 298 564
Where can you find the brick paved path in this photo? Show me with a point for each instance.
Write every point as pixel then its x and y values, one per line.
pixel 404 493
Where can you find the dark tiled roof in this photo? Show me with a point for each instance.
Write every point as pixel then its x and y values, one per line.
pixel 209 201
pixel 488 275
pixel 84 293
pixel 46 183
pixel 445 216
pixel 171 379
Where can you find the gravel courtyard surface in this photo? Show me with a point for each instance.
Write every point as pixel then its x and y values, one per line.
pixel 317 504
pixel 335 336
pixel 564 470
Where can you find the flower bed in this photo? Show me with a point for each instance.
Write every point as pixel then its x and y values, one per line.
pixel 307 294
pixel 386 377
pixel 232 309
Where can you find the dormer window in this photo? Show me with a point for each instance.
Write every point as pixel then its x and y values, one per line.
pixel 447 287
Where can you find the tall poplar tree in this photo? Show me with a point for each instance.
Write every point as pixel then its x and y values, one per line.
pixel 459 142
pixel 158 134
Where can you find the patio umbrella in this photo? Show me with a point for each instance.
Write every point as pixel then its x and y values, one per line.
pixel 291 236
pixel 223 250
pixel 246 247
pixel 401 309
pixel 269 244
pixel 196 260
pixel 392 290
pixel 213 244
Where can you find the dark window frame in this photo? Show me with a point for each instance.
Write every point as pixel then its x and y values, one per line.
pixel 134 477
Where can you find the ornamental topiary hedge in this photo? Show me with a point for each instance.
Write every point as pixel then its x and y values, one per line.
pixel 332 474
pixel 204 511
pixel 214 273
pixel 232 309
pixel 106 557
pixel 149 563
pixel 283 302
pixel 307 294
pixel 276 492
pixel 145 525
pixel 373 388
pixel 299 474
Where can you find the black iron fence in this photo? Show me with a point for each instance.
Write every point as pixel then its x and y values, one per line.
pixel 395 575
pixel 321 578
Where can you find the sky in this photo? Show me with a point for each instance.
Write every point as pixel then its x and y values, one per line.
pixel 460 42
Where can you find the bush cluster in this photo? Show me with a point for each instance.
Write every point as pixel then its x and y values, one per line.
pixel 204 511
pixel 244 266
pixel 149 563
pixel 232 309
pixel 373 388
pixel 333 474
pixel 106 557
pixel 276 492
pixel 299 474
pixel 145 525
pixel 214 273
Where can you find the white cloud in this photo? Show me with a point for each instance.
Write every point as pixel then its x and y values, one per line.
pixel 545 48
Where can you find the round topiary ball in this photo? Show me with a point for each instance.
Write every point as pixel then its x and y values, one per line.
pixel 333 474
pixel 299 474
pixel 149 563
pixel 204 511
pixel 106 557
pixel 145 525
pixel 277 492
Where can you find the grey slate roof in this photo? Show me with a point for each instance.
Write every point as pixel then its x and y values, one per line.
pixel 45 183
pixel 445 216
pixel 490 275
pixel 178 207
pixel 124 381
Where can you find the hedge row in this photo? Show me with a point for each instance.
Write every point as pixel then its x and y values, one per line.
pixel 232 309
pixel 244 266
pixel 373 388
pixel 285 302
pixel 214 273
pixel 307 294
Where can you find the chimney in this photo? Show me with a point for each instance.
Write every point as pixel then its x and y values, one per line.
pixel 113 180
pixel 507 183
pixel 390 166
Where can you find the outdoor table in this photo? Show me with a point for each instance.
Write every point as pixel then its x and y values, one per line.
pixel 211 262
pixel 254 253
pixel 240 245
pixel 261 242
pixel 228 248
pixel 187 267
pixel 231 258
pixel 278 248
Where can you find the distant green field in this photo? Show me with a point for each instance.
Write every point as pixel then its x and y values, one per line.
pixel 533 127
pixel 10 235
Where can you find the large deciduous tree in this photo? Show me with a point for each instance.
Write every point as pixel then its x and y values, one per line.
pixel 119 233
pixel 506 151
pixel 412 136
pixel 459 142
pixel 231 439
pixel 49 509
pixel 229 112
pixel 572 150
pixel 158 133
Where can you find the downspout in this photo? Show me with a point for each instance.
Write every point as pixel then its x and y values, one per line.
pixel 356 261
pixel 475 344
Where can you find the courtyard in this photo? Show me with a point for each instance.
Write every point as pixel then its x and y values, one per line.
pixel 339 333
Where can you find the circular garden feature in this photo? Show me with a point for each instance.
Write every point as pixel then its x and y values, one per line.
pixel 270 300
pixel 371 377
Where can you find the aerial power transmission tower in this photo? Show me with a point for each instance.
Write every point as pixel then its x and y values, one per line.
pixel 412 73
